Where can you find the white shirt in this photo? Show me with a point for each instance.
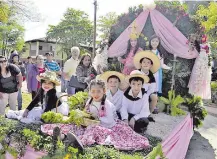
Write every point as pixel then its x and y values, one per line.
pixel 70 67
pixel 108 120
pixel 151 86
pixel 115 99
pixel 139 108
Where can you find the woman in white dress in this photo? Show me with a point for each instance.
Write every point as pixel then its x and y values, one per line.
pixel 199 84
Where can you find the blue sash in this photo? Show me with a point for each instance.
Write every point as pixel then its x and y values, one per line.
pixel 160 77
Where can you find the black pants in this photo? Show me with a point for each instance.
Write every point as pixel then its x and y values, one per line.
pixel 78 90
pixel 33 94
pixel 118 114
pixel 140 125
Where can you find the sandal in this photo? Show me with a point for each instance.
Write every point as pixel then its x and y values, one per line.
pixel 74 141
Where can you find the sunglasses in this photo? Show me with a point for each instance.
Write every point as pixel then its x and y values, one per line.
pixel 3 61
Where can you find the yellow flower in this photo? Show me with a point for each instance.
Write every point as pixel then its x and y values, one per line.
pixel 67 156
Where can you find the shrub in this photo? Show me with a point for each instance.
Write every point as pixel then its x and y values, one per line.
pixel 198 112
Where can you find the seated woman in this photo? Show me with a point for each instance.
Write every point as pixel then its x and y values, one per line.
pixel 110 131
pixel 114 81
pixel 44 101
pixel 135 105
pixel 148 63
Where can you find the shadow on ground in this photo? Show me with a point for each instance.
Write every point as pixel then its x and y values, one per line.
pixel 200 148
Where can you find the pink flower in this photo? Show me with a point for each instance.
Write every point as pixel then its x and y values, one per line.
pixel 92 75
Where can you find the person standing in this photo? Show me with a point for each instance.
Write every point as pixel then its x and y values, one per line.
pixel 32 84
pixel 70 68
pixel 16 60
pixel 10 82
pixel 52 65
pixel 28 64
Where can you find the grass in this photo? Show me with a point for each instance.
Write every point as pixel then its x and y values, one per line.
pixel 27 98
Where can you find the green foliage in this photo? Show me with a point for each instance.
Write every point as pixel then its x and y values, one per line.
pixel 11 35
pixel 77 117
pixel 206 15
pixel 105 23
pixel 74 29
pixel 4 11
pixel 173 102
pixel 52 117
pixel 214 86
pixel 22 134
pixel 198 112
pixel 78 100
pixel 157 151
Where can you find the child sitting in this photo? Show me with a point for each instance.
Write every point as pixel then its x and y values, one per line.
pixel 114 94
pixel 110 131
pixel 148 63
pixel 135 105
pixel 44 101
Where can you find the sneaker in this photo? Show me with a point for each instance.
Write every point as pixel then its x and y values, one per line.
pixel 155 111
pixel 74 141
pixel 56 133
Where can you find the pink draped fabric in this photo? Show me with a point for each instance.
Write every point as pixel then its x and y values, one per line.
pixel 176 144
pixel 119 47
pixel 171 38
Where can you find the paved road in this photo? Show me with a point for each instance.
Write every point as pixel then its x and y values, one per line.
pixel 204 142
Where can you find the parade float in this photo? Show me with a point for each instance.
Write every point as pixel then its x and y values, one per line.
pixel 172 130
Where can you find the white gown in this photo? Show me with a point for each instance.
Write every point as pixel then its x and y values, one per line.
pixel 199 84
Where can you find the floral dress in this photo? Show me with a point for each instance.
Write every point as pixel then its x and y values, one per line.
pixel 110 131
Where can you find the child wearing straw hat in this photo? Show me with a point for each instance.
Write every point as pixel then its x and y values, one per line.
pixel 114 81
pixel 148 63
pixel 135 105
pixel 44 101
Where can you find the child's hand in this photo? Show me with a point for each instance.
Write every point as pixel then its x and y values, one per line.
pixel 25 114
pixel 132 123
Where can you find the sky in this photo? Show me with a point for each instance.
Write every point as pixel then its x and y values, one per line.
pixel 52 11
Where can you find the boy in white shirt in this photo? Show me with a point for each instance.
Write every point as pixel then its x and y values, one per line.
pixel 135 105
pixel 148 63
pixel 114 81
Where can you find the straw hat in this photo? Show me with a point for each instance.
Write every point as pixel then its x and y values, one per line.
pixel 137 73
pixel 107 74
pixel 49 76
pixel 150 55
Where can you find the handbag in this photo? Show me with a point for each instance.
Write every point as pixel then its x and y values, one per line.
pixel 76 84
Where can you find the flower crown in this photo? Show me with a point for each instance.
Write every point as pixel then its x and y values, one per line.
pixel 134 34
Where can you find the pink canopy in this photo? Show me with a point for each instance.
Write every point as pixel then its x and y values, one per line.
pixel 171 38
pixel 119 47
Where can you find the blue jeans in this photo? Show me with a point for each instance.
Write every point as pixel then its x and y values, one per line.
pixel 19 99
pixel 70 90
pixel 63 85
